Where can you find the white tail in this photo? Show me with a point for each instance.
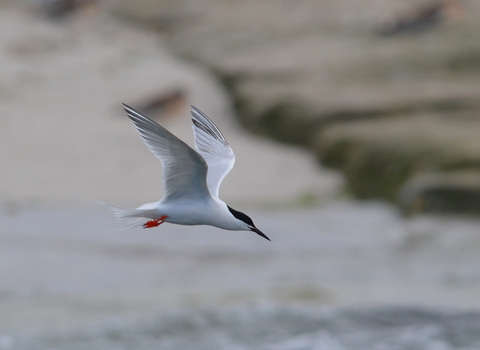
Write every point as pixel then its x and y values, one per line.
pixel 130 218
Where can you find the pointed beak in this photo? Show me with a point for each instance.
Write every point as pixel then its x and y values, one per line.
pixel 258 232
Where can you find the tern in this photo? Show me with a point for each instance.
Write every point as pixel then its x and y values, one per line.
pixel 191 179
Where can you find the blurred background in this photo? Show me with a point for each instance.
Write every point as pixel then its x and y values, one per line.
pixel 354 125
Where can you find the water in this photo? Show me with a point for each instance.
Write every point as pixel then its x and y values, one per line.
pixel 348 275
pixel 271 327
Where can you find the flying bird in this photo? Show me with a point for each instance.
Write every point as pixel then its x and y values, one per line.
pixel 191 178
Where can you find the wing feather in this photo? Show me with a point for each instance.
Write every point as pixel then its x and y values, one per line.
pixel 214 148
pixel 184 170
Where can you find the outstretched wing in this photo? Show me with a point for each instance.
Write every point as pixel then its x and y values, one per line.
pixel 213 147
pixel 184 170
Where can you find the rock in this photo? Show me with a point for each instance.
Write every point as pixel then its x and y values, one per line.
pixel 164 103
pixel 379 156
pixel 159 14
pixel 59 9
pixel 317 74
pixel 456 192
pixel 424 17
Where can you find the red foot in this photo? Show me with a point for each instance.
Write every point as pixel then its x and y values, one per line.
pixel 155 222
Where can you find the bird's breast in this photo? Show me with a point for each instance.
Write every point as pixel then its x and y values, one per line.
pixel 199 213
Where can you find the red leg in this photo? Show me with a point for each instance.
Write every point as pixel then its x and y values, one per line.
pixel 154 222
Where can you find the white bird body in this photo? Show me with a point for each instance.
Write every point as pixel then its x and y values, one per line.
pixel 191 178
pixel 191 213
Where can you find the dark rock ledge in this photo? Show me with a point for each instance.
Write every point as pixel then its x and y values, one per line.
pixel 399 115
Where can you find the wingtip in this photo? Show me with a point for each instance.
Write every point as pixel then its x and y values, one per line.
pixel 195 110
pixel 196 113
pixel 132 113
pixel 126 107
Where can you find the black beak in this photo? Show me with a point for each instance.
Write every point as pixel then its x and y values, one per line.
pixel 258 232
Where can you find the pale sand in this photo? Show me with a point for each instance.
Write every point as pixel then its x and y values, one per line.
pixel 66 139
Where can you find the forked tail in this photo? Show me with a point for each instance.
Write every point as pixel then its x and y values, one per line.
pixel 130 218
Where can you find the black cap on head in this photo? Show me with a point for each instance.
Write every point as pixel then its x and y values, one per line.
pixel 246 219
